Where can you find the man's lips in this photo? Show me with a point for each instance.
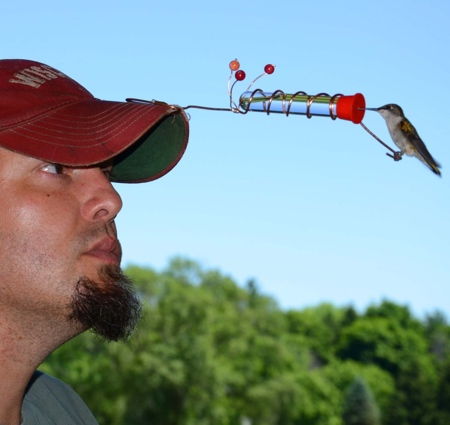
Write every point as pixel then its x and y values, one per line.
pixel 107 249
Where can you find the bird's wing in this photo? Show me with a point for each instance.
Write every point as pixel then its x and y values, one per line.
pixel 412 135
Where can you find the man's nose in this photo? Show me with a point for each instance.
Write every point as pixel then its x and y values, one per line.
pixel 100 201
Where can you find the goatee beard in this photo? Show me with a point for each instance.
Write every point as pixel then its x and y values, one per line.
pixel 109 306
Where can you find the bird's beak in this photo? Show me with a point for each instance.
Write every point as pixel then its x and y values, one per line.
pixel 370 109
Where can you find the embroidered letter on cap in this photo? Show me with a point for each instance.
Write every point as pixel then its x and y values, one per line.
pixel 41 75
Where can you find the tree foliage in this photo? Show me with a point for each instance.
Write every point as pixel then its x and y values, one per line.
pixel 209 351
pixel 360 407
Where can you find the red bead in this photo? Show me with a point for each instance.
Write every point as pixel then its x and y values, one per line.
pixel 268 69
pixel 240 75
pixel 234 65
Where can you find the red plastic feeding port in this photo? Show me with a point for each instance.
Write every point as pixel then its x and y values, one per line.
pixel 351 108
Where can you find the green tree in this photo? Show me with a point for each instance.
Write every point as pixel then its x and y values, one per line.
pixel 399 314
pixel 360 408
pixel 212 352
pixel 437 331
pixel 321 327
pixel 381 341
pixel 404 353
pixel 443 397
pixel 343 373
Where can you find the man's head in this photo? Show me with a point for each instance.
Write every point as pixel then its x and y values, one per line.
pixel 59 150
pixel 47 115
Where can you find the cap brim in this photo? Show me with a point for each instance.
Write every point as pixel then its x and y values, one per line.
pixel 146 140
pixel 155 153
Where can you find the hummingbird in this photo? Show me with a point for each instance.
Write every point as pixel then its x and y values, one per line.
pixel 405 136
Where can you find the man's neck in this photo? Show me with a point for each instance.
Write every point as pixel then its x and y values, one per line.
pixel 13 382
pixel 22 349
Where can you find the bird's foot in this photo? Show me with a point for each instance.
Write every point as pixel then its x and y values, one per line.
pixel 397 155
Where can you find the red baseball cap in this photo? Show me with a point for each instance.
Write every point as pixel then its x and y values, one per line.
pixel 47 115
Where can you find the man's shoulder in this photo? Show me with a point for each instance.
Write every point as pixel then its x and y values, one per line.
pixel 50 401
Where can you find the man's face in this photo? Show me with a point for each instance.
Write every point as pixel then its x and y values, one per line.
pixel 56 228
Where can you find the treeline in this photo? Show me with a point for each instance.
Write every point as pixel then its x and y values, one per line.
pixel 210 352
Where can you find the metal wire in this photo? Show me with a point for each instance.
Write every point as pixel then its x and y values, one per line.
pixel 397 155
pixel 276 96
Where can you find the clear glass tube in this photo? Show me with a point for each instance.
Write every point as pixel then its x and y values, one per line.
pixel 279 102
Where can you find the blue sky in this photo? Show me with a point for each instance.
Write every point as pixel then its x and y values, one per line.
pixel 312 209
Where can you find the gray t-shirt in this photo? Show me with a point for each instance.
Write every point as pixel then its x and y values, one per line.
pixel 49 401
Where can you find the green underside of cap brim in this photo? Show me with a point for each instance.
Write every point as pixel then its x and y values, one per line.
pixel 154 154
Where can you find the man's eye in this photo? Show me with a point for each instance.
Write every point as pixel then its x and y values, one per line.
pixel 53 168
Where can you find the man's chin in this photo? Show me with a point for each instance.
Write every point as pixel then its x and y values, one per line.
pixel 107 304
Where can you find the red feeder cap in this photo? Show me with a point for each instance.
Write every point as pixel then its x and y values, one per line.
pixel 351 108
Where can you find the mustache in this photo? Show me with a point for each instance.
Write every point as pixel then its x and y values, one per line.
pixel 91 236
